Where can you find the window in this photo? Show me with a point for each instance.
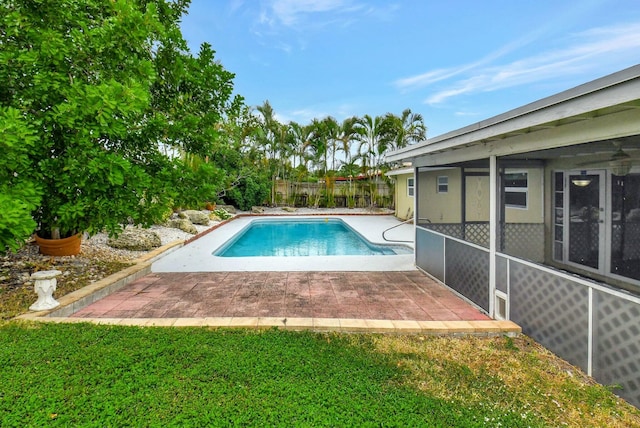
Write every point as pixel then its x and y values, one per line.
pixel 443 184
pixel 516 190
pixel 410 186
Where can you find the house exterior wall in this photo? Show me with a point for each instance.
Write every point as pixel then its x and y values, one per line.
pixel 404 204
pixel 446 207
pixel 440 207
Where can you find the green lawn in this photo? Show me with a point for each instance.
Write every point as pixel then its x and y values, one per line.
pixel 89 375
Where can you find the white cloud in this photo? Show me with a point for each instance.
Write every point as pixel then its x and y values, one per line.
pixel 588 50
pixel 290 12
pixel 307 15
pixel 425 79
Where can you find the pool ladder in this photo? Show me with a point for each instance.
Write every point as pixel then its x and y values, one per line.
pixel 393 227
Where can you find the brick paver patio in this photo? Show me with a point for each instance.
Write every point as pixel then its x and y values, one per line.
pixel 409 295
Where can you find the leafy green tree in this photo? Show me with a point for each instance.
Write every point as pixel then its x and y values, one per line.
pixel 250 190
pixel 245 180
pixel 19 192
pixel 101 85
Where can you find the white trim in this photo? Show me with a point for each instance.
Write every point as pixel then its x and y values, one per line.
pixel 493 228
pixel 444 261
pixel 524 190
pixel 602 177
pixel 617 88
pixel 570 276
pixel 500 295
pixel 508 290
pixel 575 278
pixel 590 335
pixel 462 241
pixel 443 184
pixel 399 172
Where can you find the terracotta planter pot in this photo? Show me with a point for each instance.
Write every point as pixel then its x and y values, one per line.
pixel 60 247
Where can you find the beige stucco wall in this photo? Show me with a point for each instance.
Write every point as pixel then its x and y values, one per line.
pixel 404 202
pixel 439 207
pixel 446 207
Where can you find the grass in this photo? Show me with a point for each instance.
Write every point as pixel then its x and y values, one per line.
pixel 99 375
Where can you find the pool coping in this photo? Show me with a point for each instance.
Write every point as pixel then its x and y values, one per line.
pixel 200 258
pixel 76 300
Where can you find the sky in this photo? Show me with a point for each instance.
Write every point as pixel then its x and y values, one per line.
pixel 455 62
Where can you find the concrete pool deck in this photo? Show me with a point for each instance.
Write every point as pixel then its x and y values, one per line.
pixel 322 295
pixel 198 257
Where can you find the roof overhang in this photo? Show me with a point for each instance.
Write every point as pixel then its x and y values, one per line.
pixel 605 108
pixel 400 171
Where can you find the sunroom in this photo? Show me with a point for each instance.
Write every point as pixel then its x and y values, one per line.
pixel 534 216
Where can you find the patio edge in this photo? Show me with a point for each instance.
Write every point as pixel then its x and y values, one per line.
pixel 344 325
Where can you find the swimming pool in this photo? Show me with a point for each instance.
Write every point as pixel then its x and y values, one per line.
pixel 302 238
pixel 197 256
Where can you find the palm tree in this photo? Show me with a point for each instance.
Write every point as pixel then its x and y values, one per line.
pixel 409 128
pixel 373 137
pixel 268 125
pixel 324 142
pixel 316 147
pixel 302 137
pixel 276 140
pixel 347 133
pixel 330 129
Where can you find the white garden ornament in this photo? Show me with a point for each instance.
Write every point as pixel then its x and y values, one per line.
pixel 45 285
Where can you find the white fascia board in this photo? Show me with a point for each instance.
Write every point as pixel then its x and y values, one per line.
pixel 399 172
pixel 618 88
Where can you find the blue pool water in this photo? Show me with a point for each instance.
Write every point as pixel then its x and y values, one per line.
pixel 303 237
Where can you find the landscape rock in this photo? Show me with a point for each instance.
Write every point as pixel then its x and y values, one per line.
pixel 183 224
pixel 136 239
pixel 257 210
pixel 228 208
pixel 196 217
pixel 289 209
